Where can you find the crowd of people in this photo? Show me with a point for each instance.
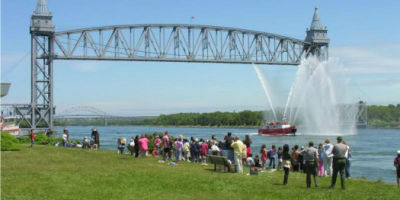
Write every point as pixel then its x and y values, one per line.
pixel 326 160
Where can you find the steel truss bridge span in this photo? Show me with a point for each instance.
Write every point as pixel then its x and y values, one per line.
pixel 154 42
pixel 178 43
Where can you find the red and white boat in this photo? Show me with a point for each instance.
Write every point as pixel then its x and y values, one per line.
pixel 277 128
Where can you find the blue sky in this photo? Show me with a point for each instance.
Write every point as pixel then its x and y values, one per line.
pixel 365 37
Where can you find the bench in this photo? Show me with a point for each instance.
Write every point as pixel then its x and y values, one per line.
pixel 220 160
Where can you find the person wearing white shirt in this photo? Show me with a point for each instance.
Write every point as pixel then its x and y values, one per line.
pixel 327 157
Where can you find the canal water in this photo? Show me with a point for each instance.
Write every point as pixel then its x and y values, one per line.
pixel 373 149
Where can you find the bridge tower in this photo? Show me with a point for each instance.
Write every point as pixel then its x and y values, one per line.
pixel 42 51
pixel 317 41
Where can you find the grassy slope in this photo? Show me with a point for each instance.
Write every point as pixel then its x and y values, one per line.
pixel 63 173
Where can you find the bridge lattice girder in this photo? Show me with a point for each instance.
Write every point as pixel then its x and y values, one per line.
pixel 178 43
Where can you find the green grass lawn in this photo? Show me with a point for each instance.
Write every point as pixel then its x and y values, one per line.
pixel 45 172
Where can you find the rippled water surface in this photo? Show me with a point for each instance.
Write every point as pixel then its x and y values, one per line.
pixel 373 149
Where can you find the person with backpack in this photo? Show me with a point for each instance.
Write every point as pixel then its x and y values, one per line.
pixel 397 165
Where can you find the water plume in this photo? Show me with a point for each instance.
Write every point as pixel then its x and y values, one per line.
pixel 317 100
pixel 264 85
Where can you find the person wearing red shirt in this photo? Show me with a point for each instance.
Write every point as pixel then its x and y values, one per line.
pixel 32 137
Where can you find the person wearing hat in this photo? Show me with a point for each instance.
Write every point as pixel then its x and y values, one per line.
pixel 397 165
pixel 339 161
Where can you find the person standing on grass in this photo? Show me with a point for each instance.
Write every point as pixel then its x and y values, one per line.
pixel 186 149
pixel 143 146
pixel 286 163
pixel 339 161
pixel 321 171
pixel 204 148
pixel 348 158
pixel 396 163
pixel 178 147
pixel 279 153
pixel 237 146
pixel 228 147
pixel 247 142
pixel 64 137
pixel 157 144
pixel 166 150
pixel 263 155
pixel 121 142
pixel 310 156
pixel 136 146
pixel 96 137
pixel 271 156
pixel 295 158
pixel 327 157
pixel 131 146
pixel 32 137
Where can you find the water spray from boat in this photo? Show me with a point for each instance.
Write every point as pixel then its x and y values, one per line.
pixel 315 102
pixel 264 85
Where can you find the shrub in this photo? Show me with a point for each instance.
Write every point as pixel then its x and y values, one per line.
pixel 43 139
pixel 58 139
pixel 9 143
pixel 24 140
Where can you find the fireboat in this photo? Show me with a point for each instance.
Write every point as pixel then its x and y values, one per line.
pixel 277 128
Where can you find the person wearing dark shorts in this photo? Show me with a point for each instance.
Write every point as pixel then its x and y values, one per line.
pixel 339 162
pixel 397 165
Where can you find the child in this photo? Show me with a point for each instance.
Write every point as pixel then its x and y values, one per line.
pixel 250 163
pixel 397 165
pixel 257 161
pixel 263 155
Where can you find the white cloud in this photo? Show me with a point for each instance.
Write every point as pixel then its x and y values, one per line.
pixel 383 59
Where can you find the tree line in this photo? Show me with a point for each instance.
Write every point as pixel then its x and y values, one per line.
pixel 378 116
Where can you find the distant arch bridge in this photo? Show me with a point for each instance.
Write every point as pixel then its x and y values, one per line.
pixel 83 112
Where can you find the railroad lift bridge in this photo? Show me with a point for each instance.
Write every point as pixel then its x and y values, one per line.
pixel 156 43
